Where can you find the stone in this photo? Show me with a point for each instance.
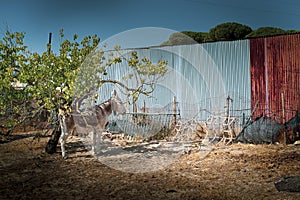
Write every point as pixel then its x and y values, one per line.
pixel 288 184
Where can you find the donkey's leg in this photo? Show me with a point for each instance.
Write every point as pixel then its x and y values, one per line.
pixel 97 140
pixel 94 142
pixel 63 136
pixel 100 138
pixel 62 144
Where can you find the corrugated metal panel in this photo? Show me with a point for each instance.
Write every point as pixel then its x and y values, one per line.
pixel 233 62
pixel 201 76
pixel 258 79
pixel 275 70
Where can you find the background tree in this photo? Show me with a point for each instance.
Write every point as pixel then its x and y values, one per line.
pixel 224 31
pixel 229 31
pixel 179 38
pixel 266 31
pixel 199 37
pixel 186 37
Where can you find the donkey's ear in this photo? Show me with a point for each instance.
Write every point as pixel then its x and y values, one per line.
pixel 114 93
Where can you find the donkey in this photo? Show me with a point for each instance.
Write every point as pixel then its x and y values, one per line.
pixel 93 119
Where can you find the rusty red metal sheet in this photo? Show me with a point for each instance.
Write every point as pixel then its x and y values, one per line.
pixel 275 76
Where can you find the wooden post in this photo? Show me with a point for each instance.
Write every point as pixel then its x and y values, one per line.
pixel 227 112
pixel 49 43
pixel 175 110
pixel 144 108
pixel 144 111
pixel 134 108
pixel 283 117
pixel 227 107
pixel 134 111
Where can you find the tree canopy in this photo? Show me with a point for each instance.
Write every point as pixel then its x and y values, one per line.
pixel 179 39
pixel 266 31
pixel 229 31
pixel 186 37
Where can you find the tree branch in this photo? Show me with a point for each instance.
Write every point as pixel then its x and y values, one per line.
pixel 139 89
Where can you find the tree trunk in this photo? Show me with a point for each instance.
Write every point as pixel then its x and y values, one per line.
pixel 52 143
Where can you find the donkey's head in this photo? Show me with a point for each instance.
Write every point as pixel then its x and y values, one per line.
pixel 117 105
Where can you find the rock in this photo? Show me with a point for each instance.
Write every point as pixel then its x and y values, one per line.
pixel 288 183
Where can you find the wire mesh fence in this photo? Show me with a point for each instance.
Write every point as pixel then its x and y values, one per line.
pixel 213 126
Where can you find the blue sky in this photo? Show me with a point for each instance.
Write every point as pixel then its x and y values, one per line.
pixel 107 18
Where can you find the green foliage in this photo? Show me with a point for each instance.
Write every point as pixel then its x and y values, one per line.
pixel 50 77
pixel 199 37
pixel 179 39
pixel 186 37
pixel 52 81
pixel 13 56
pixel 266 31
pixel 224 31
pixel 292 31
pixel 229 31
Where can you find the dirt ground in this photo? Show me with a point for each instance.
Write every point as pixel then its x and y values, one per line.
pixel 238 171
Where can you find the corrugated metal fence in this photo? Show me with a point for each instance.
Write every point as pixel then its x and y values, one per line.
pixel 202 76
pixel 275 76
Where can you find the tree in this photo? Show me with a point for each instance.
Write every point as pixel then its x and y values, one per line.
pixel 199 37
pixel 54 81
pixel 266 31
pixel 179 38
pixel 291 31
pixel 229 31
pixel 186 37
pixel 48 75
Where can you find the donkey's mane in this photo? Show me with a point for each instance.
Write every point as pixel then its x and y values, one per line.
pixel 103 106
